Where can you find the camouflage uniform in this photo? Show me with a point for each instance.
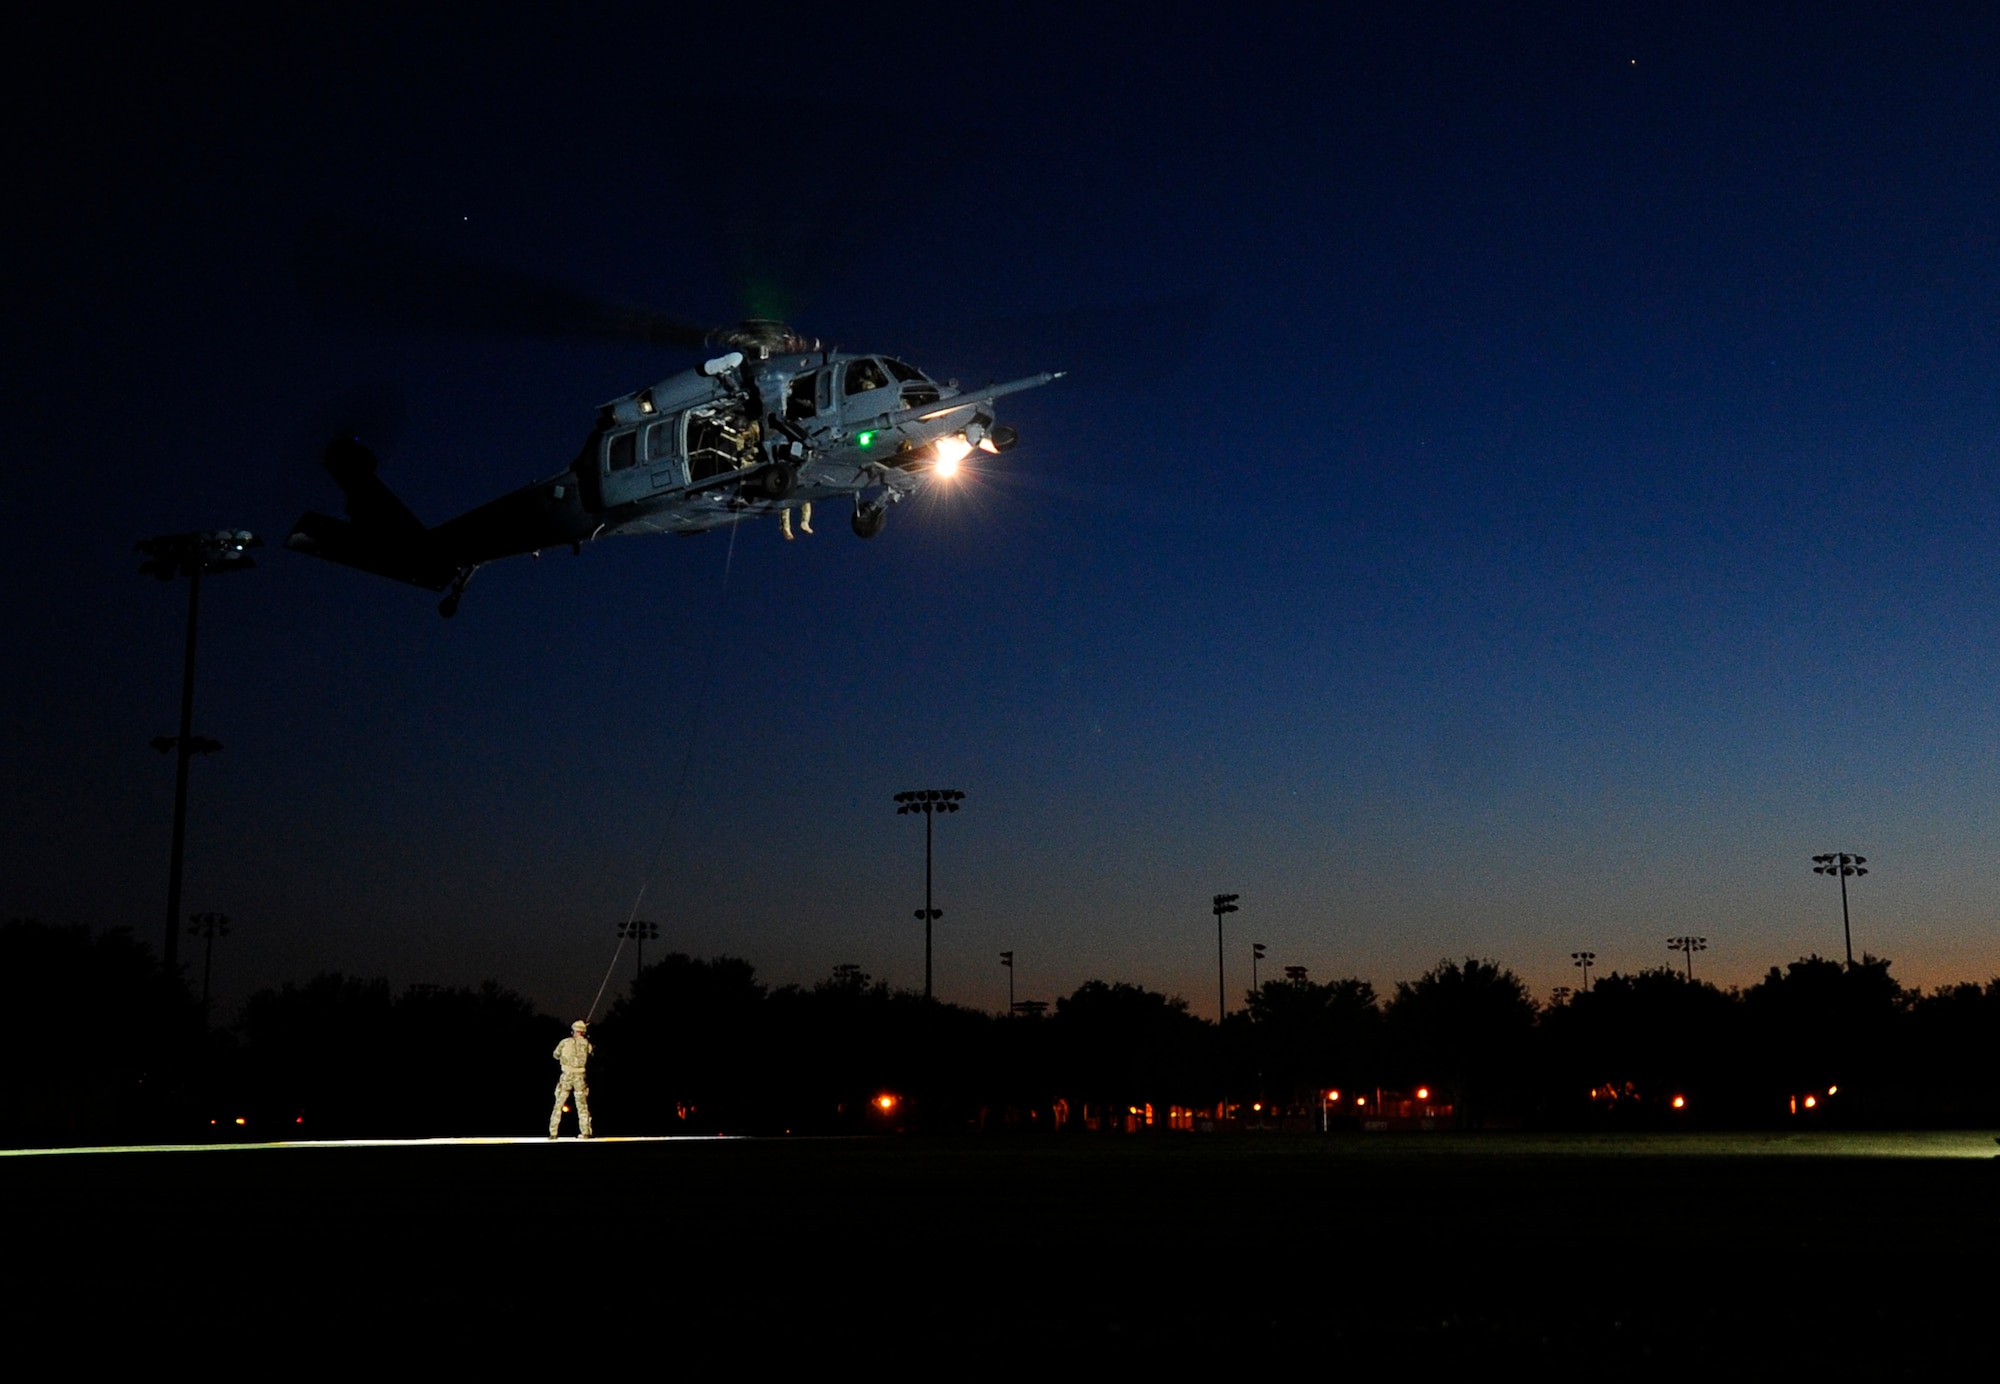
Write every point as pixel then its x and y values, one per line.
pixel 573 1052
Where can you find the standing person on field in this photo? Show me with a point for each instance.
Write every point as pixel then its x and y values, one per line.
pixel 573 1052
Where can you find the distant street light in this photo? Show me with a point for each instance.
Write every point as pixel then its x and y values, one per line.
pixel 1034 1009
pixel 1296 974
pixel 1256 955
pixel 930 802
pixel 1842 864
pixel 641 932
pixel 1560 995
pixel 190 555
pixel 1688 946
pixel 1224 903
pixel 208 927
pixel 1007 960
pixel 1585 959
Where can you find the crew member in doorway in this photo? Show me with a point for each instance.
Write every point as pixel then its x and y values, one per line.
pixel 573 1053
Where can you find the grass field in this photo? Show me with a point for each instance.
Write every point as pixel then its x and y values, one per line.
pixel 1625 1256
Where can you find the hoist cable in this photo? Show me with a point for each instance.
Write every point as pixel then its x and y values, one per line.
pixel 687 763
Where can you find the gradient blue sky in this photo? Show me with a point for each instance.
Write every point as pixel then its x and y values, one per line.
pixel 1578 511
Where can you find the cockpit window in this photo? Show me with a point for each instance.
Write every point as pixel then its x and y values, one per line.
pixel 864 375
pixel 905 374
pixel 799 395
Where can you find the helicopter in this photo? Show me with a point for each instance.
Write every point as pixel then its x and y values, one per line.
pixel 774 423
pixel 770 423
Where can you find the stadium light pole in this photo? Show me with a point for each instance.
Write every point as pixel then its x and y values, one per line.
pixel 1223 903
pixel 1256 955
pixel 1843 864
pixel 190 555
pixel 1007 960
pixel 930 802
pixel 1688 946
pixel 641 932
pixel 1585 959
pixel 208 927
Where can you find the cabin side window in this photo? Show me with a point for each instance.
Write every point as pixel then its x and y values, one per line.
pixel 621 453
pixel 661 444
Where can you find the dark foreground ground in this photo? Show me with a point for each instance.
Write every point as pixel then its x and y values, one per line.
pixel 1421 1255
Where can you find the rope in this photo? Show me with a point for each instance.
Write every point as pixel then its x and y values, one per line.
pixel 687 763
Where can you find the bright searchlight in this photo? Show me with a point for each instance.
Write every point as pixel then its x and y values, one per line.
pixel 950 452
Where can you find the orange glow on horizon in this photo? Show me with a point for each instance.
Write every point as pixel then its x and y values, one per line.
pixel 885 1101
pixel 1680 1102
pixel 1423 1093
pixel 1811 1101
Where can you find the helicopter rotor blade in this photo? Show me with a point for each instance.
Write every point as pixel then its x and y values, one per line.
pixel 359 275
pixel 780 254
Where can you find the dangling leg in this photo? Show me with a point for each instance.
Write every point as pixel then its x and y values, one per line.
pixel 806 517
pixel 785 524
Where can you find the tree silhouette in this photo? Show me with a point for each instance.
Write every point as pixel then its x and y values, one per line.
pixel 130 1037
pixel 1817 1024
pixel 1119 1045
pixel 1625 1050
pixel 341 1056
pixel 1466 1029
pixel 1305 1036
pixel 685 1048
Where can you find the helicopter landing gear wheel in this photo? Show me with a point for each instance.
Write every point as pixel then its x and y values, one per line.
pixel 868 520
pixel 780 481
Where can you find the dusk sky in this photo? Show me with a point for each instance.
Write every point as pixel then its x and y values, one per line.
pixel 1575 509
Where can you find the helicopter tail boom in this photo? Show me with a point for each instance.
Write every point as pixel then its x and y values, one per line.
pixel 380 534
pixel 402 556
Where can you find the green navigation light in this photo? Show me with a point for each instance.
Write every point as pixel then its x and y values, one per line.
pixel 866 439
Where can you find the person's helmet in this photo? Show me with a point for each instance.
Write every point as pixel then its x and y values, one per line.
pixel 579 1026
